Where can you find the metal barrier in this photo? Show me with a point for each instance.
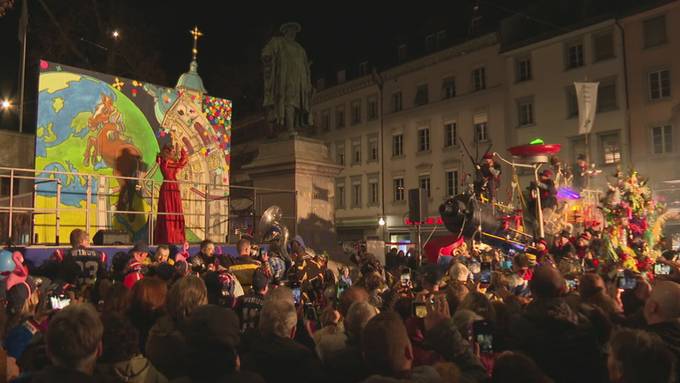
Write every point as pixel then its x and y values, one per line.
pixel 207 206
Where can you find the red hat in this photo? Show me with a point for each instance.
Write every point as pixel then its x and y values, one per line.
pixel 488 156
pixel 547 173
pixel 132 278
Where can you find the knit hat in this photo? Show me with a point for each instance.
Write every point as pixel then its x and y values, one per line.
pixel 18 294
pixel 212 324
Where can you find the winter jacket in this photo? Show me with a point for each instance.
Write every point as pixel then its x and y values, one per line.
pixel 422 374
pixel 561 341
pixel 138 369
pixel 280 359
pixel 445 339
pixel 166 348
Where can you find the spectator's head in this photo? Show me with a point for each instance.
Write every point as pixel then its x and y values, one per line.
pixel 162 253
pixel 260 282
pixel 431 277
pixel 79 239
pixel 280 293
pixel 663 305
pixel 590 285
pixel 463 320
pixel 351 295
pixel 120 340
pixel 385 345
pixel 147 298
pixel 357 316
pixel 373 282
pixel 546 283
pixel 117 299
pixel 187 294
pixel 207 247
pixel 278 318
pixel 455 294
pixel 243 247
pixel 637 356
pixel 140 251
pixel 74 337
pixel 212 334
pixel 478 303
pixel 22 300
pixel 459 272
pixel 512 367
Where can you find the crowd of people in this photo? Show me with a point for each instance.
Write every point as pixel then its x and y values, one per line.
pixel 279 314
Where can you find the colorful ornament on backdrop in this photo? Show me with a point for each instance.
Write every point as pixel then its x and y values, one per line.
pixel 118 84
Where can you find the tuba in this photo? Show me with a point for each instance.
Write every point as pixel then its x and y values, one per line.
pixel 273 232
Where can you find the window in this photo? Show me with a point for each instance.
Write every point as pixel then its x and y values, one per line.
pixel 424 183
pixel 441 39
pixel 356 191
pixel 523 69
pixel 662 139
pixel 372 148
pixel 423 139
pixel 659 84
pixel 356 112
pixel 398 186
pixel 397 145
pixel 401 53
pixel 574 53
pixel 654 31
pixel 450 137
pixel 341 76
pixel 371 108
pixel 356 151
pixel 5 186
pixel 373 190
pixel 479 79
pixel 572 102
pixel 326 120
pixel 449 87
pixel 340 193
pixel 396 101
pixel 606 95
pixel 429 43
pixel 340 153
pixel 363 68
pixel 481 128
pixel 451 182
pixel 340 117
pixel 525 111
pixel 610 147
pixel 603 46
pixel 422 95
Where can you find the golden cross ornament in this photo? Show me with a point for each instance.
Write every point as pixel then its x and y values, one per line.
pixel 196 33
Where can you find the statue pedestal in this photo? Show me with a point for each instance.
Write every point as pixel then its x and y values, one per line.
pixel 302 165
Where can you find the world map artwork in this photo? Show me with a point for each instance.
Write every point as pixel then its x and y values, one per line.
pixel 95 128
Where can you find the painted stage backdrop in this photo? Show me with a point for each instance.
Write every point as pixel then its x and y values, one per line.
pixel 102 125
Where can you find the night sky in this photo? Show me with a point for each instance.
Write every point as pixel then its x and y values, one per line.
pixel 155 43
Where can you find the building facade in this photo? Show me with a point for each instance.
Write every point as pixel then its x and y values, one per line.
pixel 541 96
pixel 653 71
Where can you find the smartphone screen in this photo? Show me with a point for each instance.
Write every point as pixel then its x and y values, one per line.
pixel 419 309
pixel 297 295
pixel 405 279
pixel 572 284
pixel 627 283
pixel 485 272
pixel 483 335
pixel 661 269
pixel 58 302
pixel 506 264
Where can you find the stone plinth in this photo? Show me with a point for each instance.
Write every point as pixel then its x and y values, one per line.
pixel 302 165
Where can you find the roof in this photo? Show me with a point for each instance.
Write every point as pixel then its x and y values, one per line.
pixel 191 80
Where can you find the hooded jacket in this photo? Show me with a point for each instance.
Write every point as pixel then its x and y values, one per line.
pixel 138 369
pixel 280 359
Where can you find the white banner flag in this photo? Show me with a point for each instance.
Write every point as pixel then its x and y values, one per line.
pixel 586 97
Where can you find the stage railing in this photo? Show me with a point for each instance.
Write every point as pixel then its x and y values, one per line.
pixel 70 200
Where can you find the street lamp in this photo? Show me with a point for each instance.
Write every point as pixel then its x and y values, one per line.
pixel 115 34
pixel 5 104
pixel 381 221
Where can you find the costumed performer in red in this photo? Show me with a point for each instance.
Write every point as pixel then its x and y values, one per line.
pixel 170 227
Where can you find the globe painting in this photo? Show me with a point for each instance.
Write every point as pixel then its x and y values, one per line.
pixel 97 140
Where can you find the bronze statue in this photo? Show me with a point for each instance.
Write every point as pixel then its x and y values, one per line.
pixel 287 84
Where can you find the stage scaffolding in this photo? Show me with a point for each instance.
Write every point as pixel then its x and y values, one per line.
pixel 218 212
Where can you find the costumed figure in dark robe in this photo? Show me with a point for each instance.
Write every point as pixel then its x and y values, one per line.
pixel 170 220
pixel 546 192
pixel 489 177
